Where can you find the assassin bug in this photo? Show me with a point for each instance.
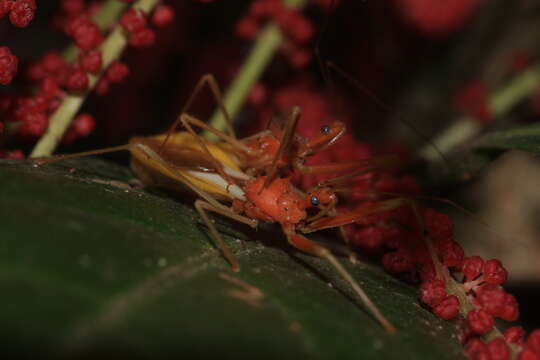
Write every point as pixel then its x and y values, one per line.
pixel 231 170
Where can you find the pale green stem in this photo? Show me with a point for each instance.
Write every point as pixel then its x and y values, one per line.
pixel 501 101
pixel 268 41
pixel 59 122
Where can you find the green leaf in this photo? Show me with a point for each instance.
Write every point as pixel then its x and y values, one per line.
pixel 526 138
pixel 93 267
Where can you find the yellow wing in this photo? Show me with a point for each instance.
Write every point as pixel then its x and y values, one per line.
pixel 184 155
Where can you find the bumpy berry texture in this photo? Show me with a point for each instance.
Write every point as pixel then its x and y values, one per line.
pixel 8 65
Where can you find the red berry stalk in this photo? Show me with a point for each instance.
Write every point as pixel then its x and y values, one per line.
pixel 97 64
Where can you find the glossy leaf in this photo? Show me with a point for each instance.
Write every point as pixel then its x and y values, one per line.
pixel 91 267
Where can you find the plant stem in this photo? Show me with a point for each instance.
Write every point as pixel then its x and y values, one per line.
pixel 59 122
pixel 499 103
pixel 267 43
pixel 465 305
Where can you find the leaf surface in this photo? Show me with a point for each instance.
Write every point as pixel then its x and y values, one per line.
pixel 91 267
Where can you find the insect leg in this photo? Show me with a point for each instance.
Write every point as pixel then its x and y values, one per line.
pixel 302 243
pixel 55 158
pixel 220 134
pixel 202 207
pixel 285 142
pixel 185 119
pixel 211 82
pixel 349 217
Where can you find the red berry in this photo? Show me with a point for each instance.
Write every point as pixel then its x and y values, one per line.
pixel 73 7
pixel 102 86
pixel 494 272
pixel 163 15
pixel 301 29
pixel 53 62
pixel 142 38
pixel 84 124
pixel 49 88
pixel 448 308
pixel 514 334
pixel 8 65
pixel 437 18
pixel 510 311
pixel 528 354
pixel 22 12
pixel 246 28
pixel 87 36
pixel 433 292
pixel 77 81
pixel 117 72
pixel 491 298
pixel 452 253
pixel 14 154
pixel 439 226
pixel 33 125
pixel 533 341
pixel 369 238
pixel 133 20
pixel 5 7
pixel 480 321
pixel 472 267
pixel 91 61
pixel 498 349
pixel 474 346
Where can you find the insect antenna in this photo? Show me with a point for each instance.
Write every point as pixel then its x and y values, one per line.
pixel 55 158
pixel 382 105
pixel 326 67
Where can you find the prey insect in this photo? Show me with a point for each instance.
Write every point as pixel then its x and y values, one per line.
pixel 243 179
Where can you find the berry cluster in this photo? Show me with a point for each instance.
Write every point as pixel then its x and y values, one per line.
pixel 52 77
pixel 413 242
pixel 294 24
pixel 20 13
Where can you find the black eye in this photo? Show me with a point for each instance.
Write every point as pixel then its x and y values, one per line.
pixel 314 200
pixel 325 129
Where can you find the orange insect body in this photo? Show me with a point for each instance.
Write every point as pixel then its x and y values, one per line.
pixel 278 201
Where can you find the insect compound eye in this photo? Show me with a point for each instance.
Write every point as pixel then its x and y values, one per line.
pixel 325 129
pixel 315 200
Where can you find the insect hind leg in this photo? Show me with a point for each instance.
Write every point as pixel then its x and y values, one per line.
pixel 202 207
